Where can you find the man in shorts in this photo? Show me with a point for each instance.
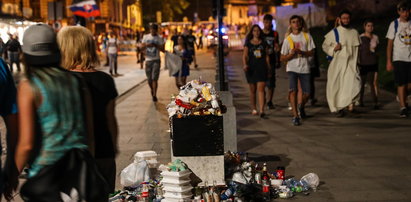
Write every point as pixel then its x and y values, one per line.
pixel 297 47
pixel 153 43
pixel 399 54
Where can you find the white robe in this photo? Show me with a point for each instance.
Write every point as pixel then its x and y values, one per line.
pixel 343 80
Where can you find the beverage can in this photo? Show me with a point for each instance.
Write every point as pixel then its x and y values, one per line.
pixel 280 173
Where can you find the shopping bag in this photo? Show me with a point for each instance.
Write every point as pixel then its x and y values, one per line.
pixel 134 174
pixel 173 63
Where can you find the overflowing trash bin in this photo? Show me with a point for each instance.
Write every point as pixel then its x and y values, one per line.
pixel 196 127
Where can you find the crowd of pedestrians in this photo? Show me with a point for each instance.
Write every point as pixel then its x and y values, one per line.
pixel 353 62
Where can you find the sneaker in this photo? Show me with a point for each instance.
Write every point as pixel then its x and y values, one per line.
pixel 270 105
pixel 296 121
pixel 301 112
pixel 404 112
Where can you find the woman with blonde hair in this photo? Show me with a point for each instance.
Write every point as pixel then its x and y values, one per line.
pixel 78 51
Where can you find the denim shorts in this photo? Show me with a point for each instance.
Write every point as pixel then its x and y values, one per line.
pixel 293 78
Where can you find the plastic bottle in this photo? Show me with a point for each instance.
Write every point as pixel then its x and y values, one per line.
pixel 227 194
pixel 266 189
pixel 312 180
pixel 265 172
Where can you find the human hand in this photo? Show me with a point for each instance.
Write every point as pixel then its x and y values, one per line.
pixel 246 67
pixel 389 66
pixel 337 47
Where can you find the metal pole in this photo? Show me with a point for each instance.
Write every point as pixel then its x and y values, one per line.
pixel 220 6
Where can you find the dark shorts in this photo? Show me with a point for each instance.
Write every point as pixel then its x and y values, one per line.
pixel 153 70
pixel 365 69
pixel 402 72
pixel 293 78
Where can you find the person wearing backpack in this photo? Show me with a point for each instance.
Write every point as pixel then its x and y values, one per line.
pixel 343 78
pixel 296 50
pixel 399 54
pixel 271 39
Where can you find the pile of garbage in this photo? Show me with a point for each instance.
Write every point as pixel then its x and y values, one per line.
pixel 248 181
pixel 245 179
pixel 196 98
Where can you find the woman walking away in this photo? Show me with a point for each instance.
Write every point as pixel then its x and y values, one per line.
pixel 52 132
pixel 368 62
pixel 257 67
pixel 112 46
pixel 181 50
pixel 79 56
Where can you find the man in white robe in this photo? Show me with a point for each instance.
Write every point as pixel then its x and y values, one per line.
pixel 344 82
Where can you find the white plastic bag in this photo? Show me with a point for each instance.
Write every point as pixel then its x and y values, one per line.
pixel 134 174
pixel 173 63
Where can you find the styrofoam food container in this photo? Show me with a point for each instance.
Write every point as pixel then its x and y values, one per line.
pixel 173 174
pixel 145 155
pixel 276 182
pixel 181 189
pixel 175 181
pixel 177 195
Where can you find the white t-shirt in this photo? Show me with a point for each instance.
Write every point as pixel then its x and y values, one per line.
pixel 402 41
pixel 112 45
pixel 298 64
pixel 152 53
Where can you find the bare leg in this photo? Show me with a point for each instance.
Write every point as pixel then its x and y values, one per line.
pixel 299 93
pixel 401 95
pixel 155 85
pixel 253 88
pixel 261 96
pixel 373 87
pixel 293 101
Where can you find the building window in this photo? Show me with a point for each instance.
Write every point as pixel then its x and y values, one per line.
pixel 240 13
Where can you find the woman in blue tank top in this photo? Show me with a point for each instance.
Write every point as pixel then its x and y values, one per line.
pixel 50 104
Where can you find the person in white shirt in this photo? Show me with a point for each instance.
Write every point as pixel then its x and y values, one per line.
pixel 297 48
pixel 112 49
pixel 153 43
pixel 399 54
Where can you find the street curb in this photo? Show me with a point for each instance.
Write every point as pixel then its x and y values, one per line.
pixel 120 98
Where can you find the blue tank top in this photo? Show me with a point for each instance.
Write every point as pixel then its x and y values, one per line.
pixel 60 120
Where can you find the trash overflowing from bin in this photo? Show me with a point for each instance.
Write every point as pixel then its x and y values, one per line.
pixel 245 179
pixel 196 98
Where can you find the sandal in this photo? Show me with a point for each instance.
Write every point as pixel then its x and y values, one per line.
pixel 254 112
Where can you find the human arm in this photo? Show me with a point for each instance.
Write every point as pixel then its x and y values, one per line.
pixel 329 45
pixel 112 123
pixel 390 46
pixel 26 116
pixel 245 58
